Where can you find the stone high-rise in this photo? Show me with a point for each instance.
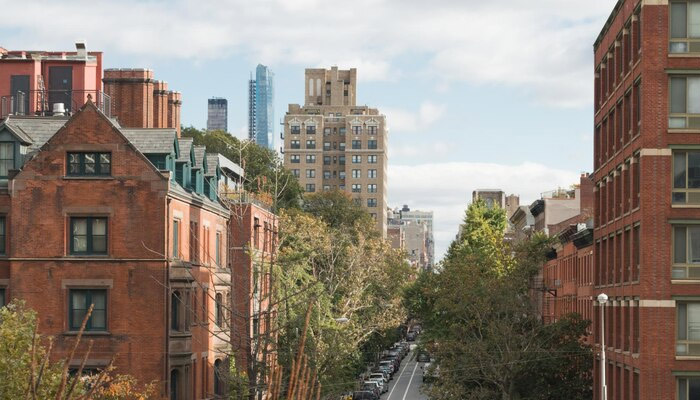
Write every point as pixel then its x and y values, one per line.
pixel 332 143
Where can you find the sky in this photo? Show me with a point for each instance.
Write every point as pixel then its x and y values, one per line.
pixel 477 94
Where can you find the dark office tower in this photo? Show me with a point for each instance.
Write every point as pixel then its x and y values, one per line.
pixel 217 114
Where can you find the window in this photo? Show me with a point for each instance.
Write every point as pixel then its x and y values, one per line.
pixel 79 303
pixel 310 187
pixel 356 173
pixel 341 174
pixel 685 27
pixel 2 297
pixel 372 173
pixel 356 129
pixel 89 164
pixel 372 159
pixel 256 232
pixel 326 160
pixel 311 129
pixel 372 144
pixel 326 131
pixel 371 202
pixel 341 145
pixel 194 241
pixel 356 188
pixel 372 188
pixel 295 129
pixel 219 300
pixel 295 158
pixel 7 158
pixel 688 323
pixel 342 131
pixel 218 249
pixel 688 388
pixel 326 145
pixel 686 177
pixel 372 130
pixel 341 160
pixel 686 252
pixel 310 173
pixel 295 172
pixel 218 382
pixel 356 159
pixel 174 383
pixel 176 239
pixel 88 235
pixel 310 158
pixel 310 144
pixel 295 144
pixel 357 144
pixel 684 102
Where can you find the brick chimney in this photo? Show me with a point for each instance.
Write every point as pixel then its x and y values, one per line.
pixel 174 103
pixel 131 91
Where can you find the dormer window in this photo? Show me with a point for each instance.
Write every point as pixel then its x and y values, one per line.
pixel 7 158
pixel 89 164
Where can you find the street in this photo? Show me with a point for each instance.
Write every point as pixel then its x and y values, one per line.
pixel 407 383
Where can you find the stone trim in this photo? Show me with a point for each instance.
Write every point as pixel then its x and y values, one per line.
pixel 4 282
pixel 90 362
pixel 81 210
pixel 654 2
pixel 66 283
pixel 658 303
pixel 655 152
pixel 178 214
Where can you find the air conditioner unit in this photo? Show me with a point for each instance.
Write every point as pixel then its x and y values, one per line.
pixel 557 282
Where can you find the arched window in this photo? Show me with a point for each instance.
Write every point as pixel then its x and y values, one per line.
pixel 318 87
pixel 175 311
pixel 174 382
pixel 218 382
pixel 311 87
pixel 219 309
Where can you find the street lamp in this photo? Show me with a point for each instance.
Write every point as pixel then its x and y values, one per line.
pixel 602 299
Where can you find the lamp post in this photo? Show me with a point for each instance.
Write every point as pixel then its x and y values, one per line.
pixel 602 299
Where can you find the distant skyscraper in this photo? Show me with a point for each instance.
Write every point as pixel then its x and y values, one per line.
pixel 217 114
pixel 261 111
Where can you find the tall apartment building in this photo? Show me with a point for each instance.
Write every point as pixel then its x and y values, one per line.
pixel 217 114
pixel 646 158
pixel 424 218
pixel 498 197
pixel 332 143
pixel 261 110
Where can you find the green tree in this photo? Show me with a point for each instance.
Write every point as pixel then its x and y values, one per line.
pixel 482 325
pixel 264 169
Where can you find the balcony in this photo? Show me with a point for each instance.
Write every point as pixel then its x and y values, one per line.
pixel 41 102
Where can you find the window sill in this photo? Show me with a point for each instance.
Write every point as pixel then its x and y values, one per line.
pixel 91 256
pixel 684 55
pixel 88 178
pixel 88 333
pixel 685 281
pixel 685 205
pixel 178 334
pixel 687 358
pixel 675 130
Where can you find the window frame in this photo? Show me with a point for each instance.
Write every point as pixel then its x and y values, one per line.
pixel 75 325
pixel 12 144
pixel 88 235
pixel 81 164
pixel 690 120
pixel 295 158
pixel 176 239
pixel 687 266
pixel 688 40
pixel 685 191
pixel 311 159
pixel 682 307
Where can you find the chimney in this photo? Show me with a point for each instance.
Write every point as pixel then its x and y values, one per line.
pixel 81 48
pixel 131 91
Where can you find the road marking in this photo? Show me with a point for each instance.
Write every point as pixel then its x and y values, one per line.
pixel 401 374
pixel 409 382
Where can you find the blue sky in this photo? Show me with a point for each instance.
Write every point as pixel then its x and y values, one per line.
pixel 477 94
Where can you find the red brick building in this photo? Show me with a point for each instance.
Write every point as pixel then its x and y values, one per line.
pixel 647 210
pixel 92 213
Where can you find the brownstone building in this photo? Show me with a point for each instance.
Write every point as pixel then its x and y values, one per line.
pixel 647 209
pixel 92 213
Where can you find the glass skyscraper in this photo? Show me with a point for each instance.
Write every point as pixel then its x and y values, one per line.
pixel 261 111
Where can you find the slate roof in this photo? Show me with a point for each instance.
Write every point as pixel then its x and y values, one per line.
pixel 151 141
pixel 212 163
pixel 199 154
pixel 34 131
pixel 185 147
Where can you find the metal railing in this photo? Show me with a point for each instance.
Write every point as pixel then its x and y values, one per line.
pixel 41 102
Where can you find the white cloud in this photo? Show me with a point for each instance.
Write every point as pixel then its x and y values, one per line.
pixel 446 188
pixel 543 47
pixel 402 120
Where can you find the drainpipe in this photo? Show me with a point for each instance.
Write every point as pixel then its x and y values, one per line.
pixel 166 294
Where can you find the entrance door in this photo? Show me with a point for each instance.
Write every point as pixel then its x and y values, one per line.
pixel 20 101
pixel 60 86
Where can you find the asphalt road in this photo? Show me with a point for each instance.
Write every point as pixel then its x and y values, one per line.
pixel 408 381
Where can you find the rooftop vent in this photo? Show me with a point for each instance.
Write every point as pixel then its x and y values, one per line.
pixel 81 49
pixel 59 109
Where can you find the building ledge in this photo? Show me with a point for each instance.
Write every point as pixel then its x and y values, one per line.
pixel 88 178
pixel 87 333
pixel 687 358
pixel 685 281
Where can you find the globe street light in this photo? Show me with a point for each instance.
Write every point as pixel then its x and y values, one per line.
pixel 602 299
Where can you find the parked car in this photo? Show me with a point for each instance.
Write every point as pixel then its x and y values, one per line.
pixel 373 386
pixel 423 357
pixel 384 370
pixel 383 385
pixel 389 364
pixel 411 336
pixel 378 375
pixel 364 395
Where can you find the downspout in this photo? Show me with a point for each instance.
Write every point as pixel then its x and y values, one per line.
pixel 166 285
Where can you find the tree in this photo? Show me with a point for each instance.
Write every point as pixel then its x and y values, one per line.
pixel 26 370
pixel 481 324
pixel 264 169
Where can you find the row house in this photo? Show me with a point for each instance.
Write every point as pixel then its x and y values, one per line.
pixel 130 221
